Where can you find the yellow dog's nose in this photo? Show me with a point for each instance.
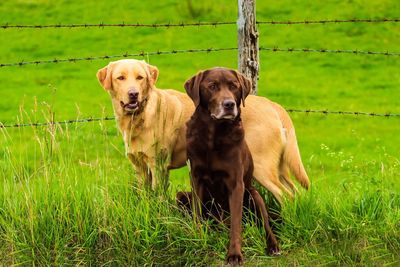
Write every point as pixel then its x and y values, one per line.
pixel 133 94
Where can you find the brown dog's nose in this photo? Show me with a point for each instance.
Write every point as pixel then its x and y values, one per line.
pixel 228 104
pixel 133 94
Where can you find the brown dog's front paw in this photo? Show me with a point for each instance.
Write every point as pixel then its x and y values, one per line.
pixel 234 259
pixel 183 200
pixel 274 251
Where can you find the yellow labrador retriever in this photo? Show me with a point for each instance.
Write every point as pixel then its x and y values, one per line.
pixel 149 119
pixel 153 126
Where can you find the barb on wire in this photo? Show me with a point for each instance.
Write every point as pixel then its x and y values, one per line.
pixel 337 51
pixel 140 54
pixel 37 124
pixel 329 21
pixel 327 112
pixel 123 24
pixel 108 118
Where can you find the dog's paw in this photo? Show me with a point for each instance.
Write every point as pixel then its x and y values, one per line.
pixel 234 259
pixel 273 251
pixel 183 200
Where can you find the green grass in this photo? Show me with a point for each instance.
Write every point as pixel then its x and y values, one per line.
pixel 68 194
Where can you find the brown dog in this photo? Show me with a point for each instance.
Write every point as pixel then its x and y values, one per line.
pixel 271 138
pixel 220 160
pixel 153 125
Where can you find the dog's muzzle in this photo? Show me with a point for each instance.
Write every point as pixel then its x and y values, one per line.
pixel 227 111
pixel 130 107
pixel 133 103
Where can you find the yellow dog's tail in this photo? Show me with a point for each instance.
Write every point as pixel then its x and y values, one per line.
pixel 291 155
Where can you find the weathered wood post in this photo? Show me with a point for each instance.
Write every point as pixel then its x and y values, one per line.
pixel 248 58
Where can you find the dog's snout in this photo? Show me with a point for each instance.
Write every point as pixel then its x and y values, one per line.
pixel 133 94
pixel 228 104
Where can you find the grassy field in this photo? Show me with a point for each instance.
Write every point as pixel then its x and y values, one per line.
pixel 68 194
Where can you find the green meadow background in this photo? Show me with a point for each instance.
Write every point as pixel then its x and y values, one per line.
pixel 68 194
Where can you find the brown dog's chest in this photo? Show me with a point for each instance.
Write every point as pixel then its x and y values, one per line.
pixel 217 154
pixel 215 164
pixel 215 146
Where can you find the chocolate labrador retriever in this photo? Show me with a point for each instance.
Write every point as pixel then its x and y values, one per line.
pixel 220 160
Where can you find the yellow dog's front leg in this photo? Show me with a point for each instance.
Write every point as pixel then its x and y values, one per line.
pixel 152 171
pixel 160 171
pixel 143 171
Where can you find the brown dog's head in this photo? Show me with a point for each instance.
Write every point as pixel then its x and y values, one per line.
pixel 129 82
pixel 220 91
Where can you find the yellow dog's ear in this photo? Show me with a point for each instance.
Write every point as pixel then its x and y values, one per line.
pixel 245 84
pixel 152 73
pixel 192 87
pixel 104 76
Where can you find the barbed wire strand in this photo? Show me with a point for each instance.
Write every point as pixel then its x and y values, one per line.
pixel 190 24
pixel 38 124
pixel 141 54
pixel 205 50
pixel 356 113
pixel 109 118
pixel 123 24
pixel 337 51
pixel 330 21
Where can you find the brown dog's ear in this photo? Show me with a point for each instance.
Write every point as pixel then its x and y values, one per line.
pixel 104 76
pixel 153 71
pixel 192 87
pixel 245 85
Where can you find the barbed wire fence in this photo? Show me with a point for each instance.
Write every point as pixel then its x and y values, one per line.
pixel 197 50
pixel 201 50
pixel 111 118
pixel 192 24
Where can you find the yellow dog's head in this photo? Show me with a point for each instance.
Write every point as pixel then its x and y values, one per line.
pixel 129 82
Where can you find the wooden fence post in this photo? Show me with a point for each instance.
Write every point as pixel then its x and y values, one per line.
pixel 248 59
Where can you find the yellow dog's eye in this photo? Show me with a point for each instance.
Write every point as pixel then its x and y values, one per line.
pixel 121 78
pixel 139 78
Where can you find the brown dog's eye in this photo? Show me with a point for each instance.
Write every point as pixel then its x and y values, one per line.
pixel 121 78
pixel 232 86
pixel 139 78
pixel 212 86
